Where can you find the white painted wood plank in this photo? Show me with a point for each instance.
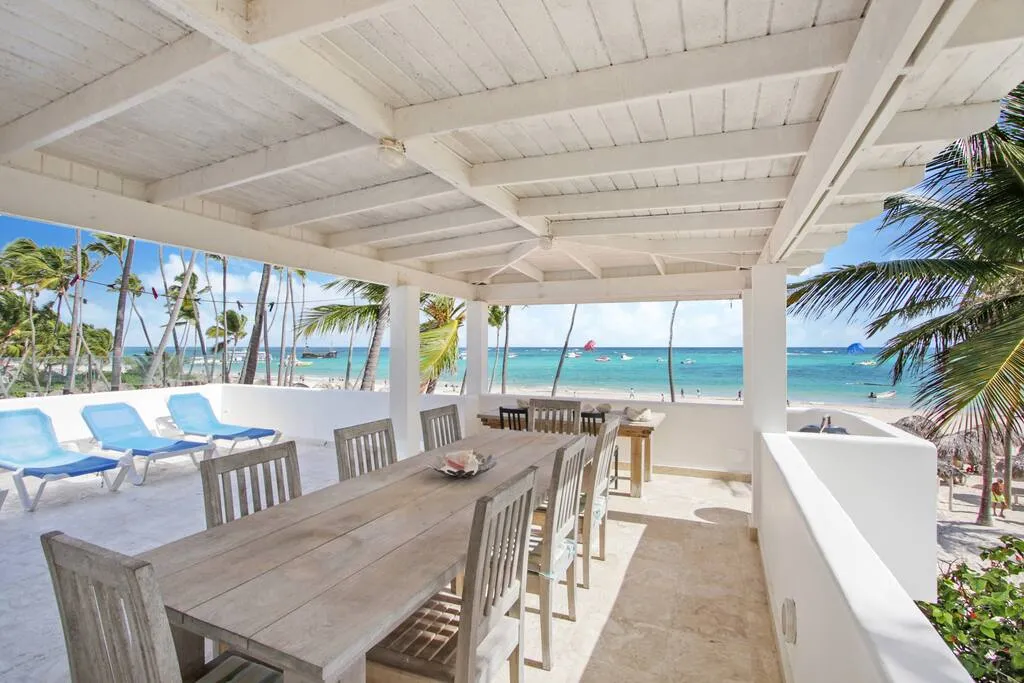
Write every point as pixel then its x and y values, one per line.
pixel 578 28
pixel 709 222
pixel 540 36
pixel 748 19
pixel 452 24
pixel 490 22
pixel 414 227
pixel 703 23
pixel 455 244
pixel 619 28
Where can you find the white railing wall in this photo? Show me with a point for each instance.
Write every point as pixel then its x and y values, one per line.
pixel 855 623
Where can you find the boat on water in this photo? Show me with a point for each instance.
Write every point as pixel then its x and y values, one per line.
pixel 573 354
pixel 623 356
pixel 868 363
pixel 687 361
pixel 602 359
pixel 312 354
pixel 886 394
pixel 661 360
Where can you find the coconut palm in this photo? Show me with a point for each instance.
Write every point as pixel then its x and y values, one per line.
pixel 374 314
pixel 190 316
pixel 957 279
pixel 439 338
pixel 123 250
pixel 565 348
pixel 504 354
pixel 169 329
pixel 495 319
pixel 231 327
pixel 225 366
pixel 671 334
pixel 248 373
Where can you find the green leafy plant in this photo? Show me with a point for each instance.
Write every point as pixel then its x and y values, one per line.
pixel 980 613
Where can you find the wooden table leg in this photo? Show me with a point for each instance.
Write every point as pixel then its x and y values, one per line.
pixel 648 459
pixel 191 650
pixel 636 466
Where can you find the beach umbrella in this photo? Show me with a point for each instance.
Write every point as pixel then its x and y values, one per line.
pixel 918 425
pixel 856 347
pixel 590 345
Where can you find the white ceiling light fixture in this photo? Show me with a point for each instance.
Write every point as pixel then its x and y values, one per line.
pixel 391 152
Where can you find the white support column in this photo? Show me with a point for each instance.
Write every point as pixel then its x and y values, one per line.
pixel 404 368
pixel 476 348
pixel 764 370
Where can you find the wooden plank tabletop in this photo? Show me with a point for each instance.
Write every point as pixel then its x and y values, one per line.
pixel 312 584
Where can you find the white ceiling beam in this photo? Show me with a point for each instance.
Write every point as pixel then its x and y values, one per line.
pixel 893 32
pixel 717 284
pixel 262 163
pixel 658 262
pixel 294 19
pixel 410 189
pixel 529 270
pixel 585 262
pixel 882 181
pixel 48 199
pixel 682 222
pixel 514 259
pixel 671 197
pixel 450 245
pixel 118 91
pixel 465 264
pixel 414 227
pixel 684 247
pixel 988 23
pixel 850 214
pixel 822 49
pixel 923 126
pixel 744 145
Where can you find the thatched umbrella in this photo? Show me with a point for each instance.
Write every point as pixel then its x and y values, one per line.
pixel 918 425
pixel 962 446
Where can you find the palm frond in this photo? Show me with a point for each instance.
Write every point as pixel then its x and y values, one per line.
pixel 331 318
pixel 439 350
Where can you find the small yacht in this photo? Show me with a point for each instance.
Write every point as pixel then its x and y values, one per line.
pixel 572 354
pixel 602 359
pixel 623 356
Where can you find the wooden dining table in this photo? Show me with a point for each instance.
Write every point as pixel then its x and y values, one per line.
pixel 639 432
pixel 311 585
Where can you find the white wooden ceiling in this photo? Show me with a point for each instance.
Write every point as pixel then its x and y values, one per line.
pixel 556 149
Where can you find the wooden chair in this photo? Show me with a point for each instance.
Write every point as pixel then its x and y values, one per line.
pixel 115 625
pixel 468 639
pixel 590 423
pixel 365 448
pixel 596 483
pixel 514 418
pixel 440 426
pixel 555 416
pixel 273 471
pixel 553 552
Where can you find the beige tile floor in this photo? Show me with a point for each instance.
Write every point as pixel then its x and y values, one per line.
pixel 680 598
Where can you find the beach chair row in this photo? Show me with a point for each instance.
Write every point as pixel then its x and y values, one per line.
pixel 29 445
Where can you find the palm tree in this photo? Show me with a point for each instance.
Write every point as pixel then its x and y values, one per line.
pixel 373 315
pixel 190 316
pixel 76 314
pixel 169 329
pixel 439 339
pixel 231 326
pixel 565 348
pixel 960 269
pixel 225 366
pixel 248 373
pixel 671 333
pixel 504 355
pixel 135 291
pixel 495 319
pixel 284 322
pixel 124 251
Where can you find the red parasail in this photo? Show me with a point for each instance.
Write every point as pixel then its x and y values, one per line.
pixel 590 345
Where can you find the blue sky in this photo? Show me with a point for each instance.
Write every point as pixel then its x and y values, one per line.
pixel 699 323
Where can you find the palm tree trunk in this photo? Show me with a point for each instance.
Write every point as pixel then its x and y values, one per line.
pixel 32 331
pixel 216 313
pixel 295 334
pixel 985 509
pixel 284 322
pixel 252 355
pixel 119 324
pixel 169 330
pixel 671 334
pixel 494 368
pixel 142 322
pixel 565 349
pixel 163 277
pixel 504 357
pixel 266 348
pixel 225 367
pixel 76 316
pixel 348 364
pixel 373 353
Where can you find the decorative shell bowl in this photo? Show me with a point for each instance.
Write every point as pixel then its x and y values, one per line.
pixel 462 464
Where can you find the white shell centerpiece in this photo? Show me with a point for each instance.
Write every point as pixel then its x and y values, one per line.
pixel 637 414
pixel 461 464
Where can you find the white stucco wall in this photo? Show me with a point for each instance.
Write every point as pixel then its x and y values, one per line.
pixel 855 623
pixel 706 435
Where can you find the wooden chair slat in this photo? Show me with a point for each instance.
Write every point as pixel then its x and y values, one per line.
pixel 441 426
pixel 365 448
pixel 556 416
pixel 220 508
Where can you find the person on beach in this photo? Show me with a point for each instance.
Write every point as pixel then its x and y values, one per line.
pixel 698 392
pixel 632 393
pixel 739 395
pixel 682 393
pixel 999 497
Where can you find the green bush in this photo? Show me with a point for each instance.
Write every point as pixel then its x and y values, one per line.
pixel 980 613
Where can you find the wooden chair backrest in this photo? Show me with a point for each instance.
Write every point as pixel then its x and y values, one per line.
pixel 365 448
pixel 495 566
pixel 590 422
pixel 513 418
pixel 273 478
pixel 115 626
pixel 561 523
pixel 599 479
pixel 556 416
pixel 440 426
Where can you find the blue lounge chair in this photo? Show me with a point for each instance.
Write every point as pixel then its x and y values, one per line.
pixel 194 417
pixel 29 448
pixel 118 427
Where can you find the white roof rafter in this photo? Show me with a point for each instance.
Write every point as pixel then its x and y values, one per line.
pixel 414 227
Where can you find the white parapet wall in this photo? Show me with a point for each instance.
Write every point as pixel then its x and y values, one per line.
pixel 854 622
pixel 884 478
pixel 708 435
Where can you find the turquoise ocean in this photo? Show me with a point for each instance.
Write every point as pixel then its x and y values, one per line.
pixel 825 375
